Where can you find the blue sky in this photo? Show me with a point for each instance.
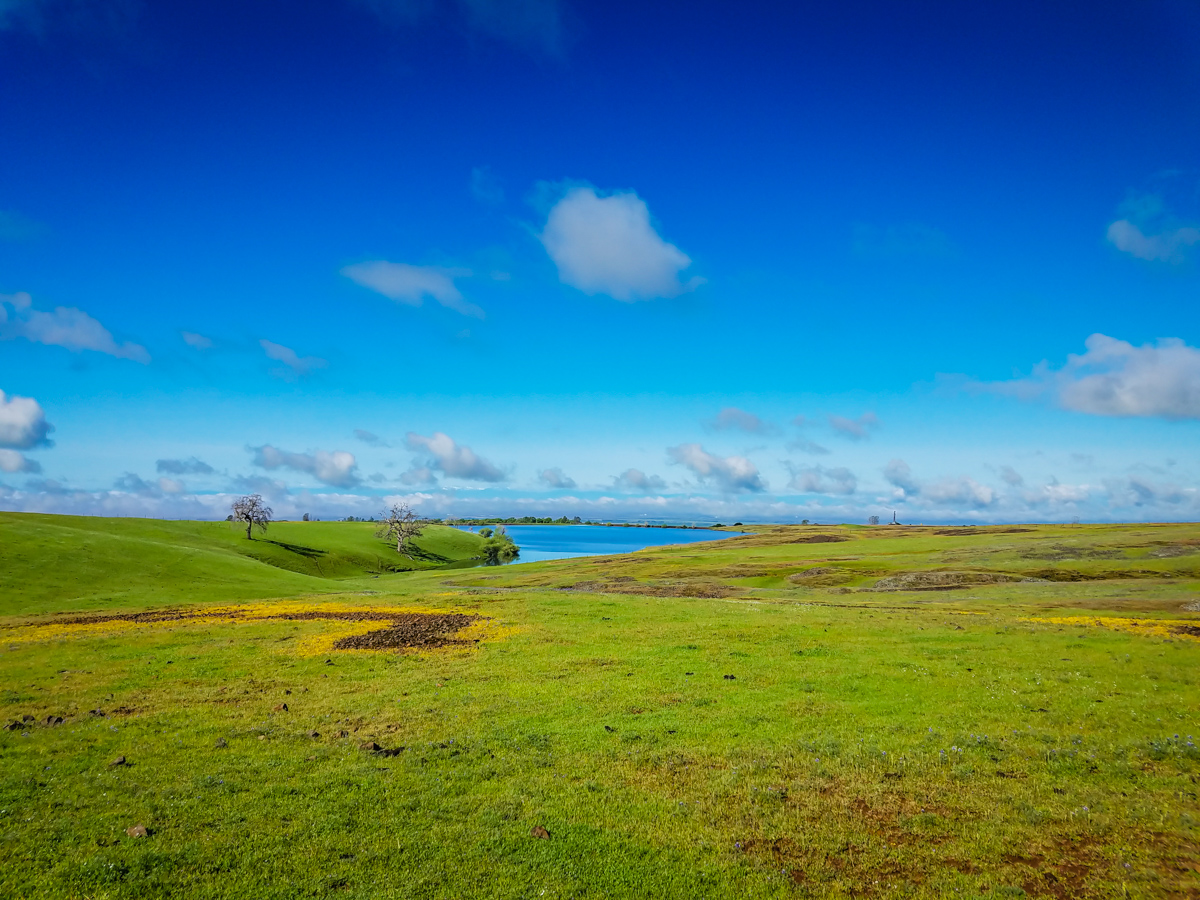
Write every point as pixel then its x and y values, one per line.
pixel 669 261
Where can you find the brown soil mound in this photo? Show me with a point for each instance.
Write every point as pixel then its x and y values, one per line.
pixel 942 581
pixel 411 630
pixel 405 630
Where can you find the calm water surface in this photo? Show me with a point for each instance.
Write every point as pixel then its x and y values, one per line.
pixel 539 542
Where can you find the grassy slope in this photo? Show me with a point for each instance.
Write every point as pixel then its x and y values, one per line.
pixel 55 563
pixel 893 744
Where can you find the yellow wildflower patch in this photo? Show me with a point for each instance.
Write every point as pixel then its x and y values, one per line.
pixel 340 621
pixel 1168 628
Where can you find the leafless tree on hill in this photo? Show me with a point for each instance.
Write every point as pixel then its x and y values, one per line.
pixel 400 524
pixel 253 512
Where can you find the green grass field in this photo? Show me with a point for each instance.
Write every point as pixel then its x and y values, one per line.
pixel 799 712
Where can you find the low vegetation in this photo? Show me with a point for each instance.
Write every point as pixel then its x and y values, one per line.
pixel 800 711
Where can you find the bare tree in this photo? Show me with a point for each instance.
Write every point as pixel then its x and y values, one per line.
pixel 400 524
pixel 253 512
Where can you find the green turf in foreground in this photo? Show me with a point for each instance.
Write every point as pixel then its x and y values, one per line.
pixel 912 743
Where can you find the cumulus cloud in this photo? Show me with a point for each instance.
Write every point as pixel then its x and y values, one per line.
pixel 134 484
pixel 1011 476
pixel 1138 491
pixel 1166 246
pixel 962 491
pixel 820 480
pixel 198 341
pixel 419 475
pixel 804 445
pixel 1055 494
pixel 11 461
pixel 732 417
pixel 1115 378
pixel 23 423
pixel 296 365
pixel 637 480
pixel 899 474
pixel 730 474
pixel 64 327
pixel 260 484
pixel 337 468
pixel 556 479
pixel 368 437
pixel 453 459
pixel 607 245
pixel 412 284
pixel 855 429
pixel 191 466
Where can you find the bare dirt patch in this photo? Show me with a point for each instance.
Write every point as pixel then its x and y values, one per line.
pixel 943 581
pixel 404 630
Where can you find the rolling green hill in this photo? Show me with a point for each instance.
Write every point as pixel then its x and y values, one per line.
pixel 82 562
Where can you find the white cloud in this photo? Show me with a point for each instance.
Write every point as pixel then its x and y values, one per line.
pixel 171 485
pixel 22 423
pixel 296 365
pixel 1011 476
pixel 962 491
pixel 556 479
pixel 412 284
pixel 607 245
pixel 730 474
pixel 192 466
pixel 637 480
pixel 337 468
pixel 368 437
pixel 732 417
pixel 452 459
pixel 13 462
pixel 1166 246
pixel 64 327
pixel 419 475
pixel 899 474
pixel 820 480
pixel 198 341
pixel 855 429
pixel 1115 378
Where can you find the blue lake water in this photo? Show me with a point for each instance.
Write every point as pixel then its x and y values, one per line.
pixel 539 542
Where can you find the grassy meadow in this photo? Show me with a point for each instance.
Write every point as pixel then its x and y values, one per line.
pixel 797 712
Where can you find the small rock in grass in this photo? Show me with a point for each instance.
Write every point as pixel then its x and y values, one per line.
pixel 262 737
pixel 98 713
pixel 309 758
pixel 314 734
pixel 370 746
pixel 730 677
pixel 287 692
pixel 329 662
pixel 221 744
pixel 119 761
pixel 609 729
pixel 13 726
pixel 54 720
pixel 539 832
pixel 27 718
pixel 280 707
pixel 136 831
pixel 343 733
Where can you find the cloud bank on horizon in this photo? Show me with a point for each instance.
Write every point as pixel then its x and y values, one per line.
pixel 629 271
